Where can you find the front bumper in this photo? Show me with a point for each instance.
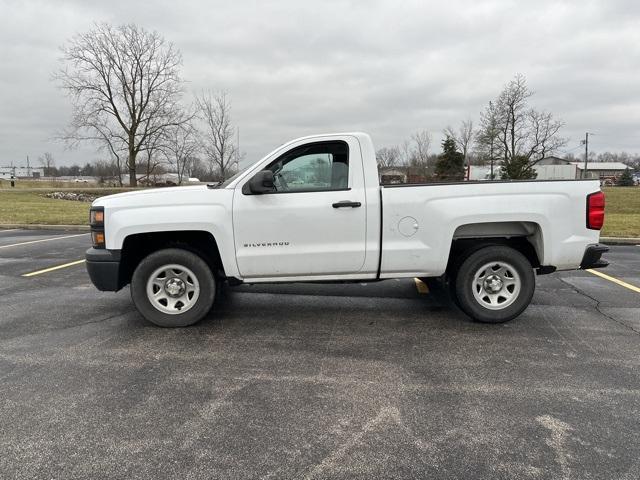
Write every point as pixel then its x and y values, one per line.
pixel 592 254
pixel 104 268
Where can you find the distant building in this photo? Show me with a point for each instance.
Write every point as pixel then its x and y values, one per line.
pixel 556 168
pixel 602 169
pixel 21 172
pixel 553 161
pixel 559 168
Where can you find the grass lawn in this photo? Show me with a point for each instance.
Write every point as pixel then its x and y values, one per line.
pixel 622 212
pixel 622 217
pixel 28 206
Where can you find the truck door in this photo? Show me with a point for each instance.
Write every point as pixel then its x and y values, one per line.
pixel 313 223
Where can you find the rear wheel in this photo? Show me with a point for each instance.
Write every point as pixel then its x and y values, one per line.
pixel 494 284
pixel 173 288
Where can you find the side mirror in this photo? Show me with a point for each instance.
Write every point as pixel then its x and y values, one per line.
pixel 262 182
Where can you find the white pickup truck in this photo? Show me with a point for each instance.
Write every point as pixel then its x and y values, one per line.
pixel 313 210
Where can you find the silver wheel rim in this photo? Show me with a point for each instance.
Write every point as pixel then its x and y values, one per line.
pixel 173 289
pixel 496 285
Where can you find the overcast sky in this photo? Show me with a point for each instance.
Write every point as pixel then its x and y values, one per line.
pixel 389 68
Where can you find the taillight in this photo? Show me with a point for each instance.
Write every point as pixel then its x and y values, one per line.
pixel 595 210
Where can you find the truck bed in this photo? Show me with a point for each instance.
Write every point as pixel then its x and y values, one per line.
pixel 419 221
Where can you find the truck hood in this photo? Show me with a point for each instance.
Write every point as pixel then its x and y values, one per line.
pixel 196 194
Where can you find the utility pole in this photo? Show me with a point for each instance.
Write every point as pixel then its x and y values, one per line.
pixel 585 142
pixel 491 158
pixel 586 154
pixel 238 149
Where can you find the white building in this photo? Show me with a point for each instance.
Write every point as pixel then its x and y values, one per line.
pixel 602 169
pixel 554 168
pixel 21 172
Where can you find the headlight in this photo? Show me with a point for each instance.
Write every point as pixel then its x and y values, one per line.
pixel 96 216
pixel 96 221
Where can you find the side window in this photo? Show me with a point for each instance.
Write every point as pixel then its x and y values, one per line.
pixel 316 166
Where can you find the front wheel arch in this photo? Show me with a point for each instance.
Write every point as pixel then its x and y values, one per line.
pixel 138 246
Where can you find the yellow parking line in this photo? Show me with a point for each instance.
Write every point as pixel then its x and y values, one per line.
pixel 43 240
pixel 615 280
pixel 421 286
pixel 51 269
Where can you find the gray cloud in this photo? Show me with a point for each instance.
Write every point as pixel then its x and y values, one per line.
pixel 390 68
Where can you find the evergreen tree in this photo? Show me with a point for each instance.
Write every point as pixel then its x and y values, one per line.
pixel 626 179
pixel 519 168
pixel 450 164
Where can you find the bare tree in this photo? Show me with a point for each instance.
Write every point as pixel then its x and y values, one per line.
pixel 125 87
pixel 107 172
pixel 180 147
pixel 152 161
pixel 449 132
pixel 517 133
pixel 48 163
pixel 98 130
pixel 512 111
pixel 154 152
pixel 197 168
pixel 413 153
pixel 420 142
pixel 218 136
pixel 388 157
pixel 544 139
pixel 463 138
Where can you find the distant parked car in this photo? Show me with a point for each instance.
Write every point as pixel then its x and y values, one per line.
pixel 636 178
pixel 81 180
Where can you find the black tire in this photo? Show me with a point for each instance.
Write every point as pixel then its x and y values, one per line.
pixel 173 256
pixel 488 309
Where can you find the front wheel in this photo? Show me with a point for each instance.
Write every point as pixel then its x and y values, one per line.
pixel 494 284
pixel 173 288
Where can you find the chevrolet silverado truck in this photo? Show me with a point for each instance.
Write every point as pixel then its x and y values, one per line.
pixel 313 210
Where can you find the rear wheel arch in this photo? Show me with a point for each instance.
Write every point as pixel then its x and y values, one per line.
pixel 525 237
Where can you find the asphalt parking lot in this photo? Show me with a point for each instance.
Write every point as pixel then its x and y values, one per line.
pixel 314 381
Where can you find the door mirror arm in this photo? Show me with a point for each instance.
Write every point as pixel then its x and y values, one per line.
pixel 261 182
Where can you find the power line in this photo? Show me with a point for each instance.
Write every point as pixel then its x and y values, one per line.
pixel 615 135
pixel 571 149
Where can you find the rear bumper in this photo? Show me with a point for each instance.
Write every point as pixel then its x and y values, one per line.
pixel 591 257
pixel 103 267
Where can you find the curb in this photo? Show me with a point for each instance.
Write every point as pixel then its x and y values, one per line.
pixel 23 226
pixel 619 241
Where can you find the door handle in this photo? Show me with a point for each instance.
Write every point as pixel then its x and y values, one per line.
pixel 346 203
